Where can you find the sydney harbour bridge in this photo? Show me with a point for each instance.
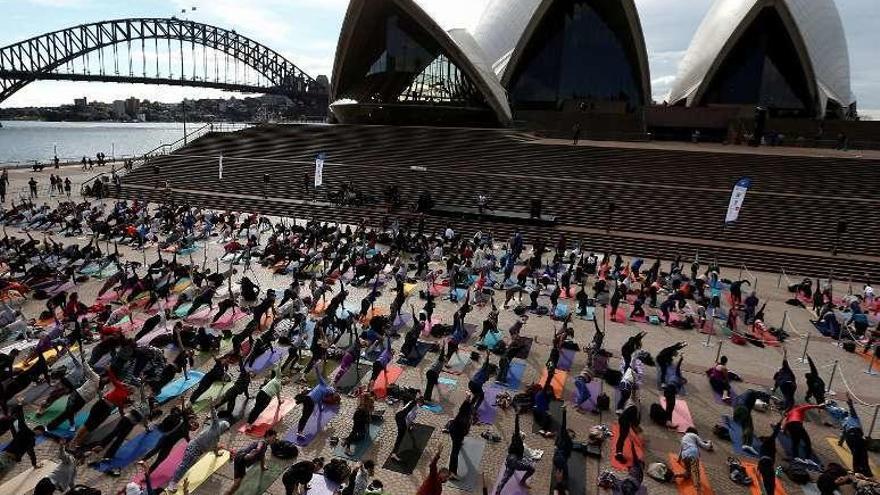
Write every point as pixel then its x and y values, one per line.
pixel 167 51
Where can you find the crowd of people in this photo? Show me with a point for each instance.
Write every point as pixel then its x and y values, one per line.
pixel 93 373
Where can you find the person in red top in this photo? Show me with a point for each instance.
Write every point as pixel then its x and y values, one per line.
pixel 793 425
pixel 118 397
pixel 433 484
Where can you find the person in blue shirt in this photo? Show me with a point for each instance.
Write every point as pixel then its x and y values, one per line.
pixel 854 436
pixel 582 390
pixel 311 398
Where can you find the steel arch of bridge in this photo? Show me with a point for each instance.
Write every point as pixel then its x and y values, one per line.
pixel 36 58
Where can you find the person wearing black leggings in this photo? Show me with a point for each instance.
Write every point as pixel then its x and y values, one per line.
pixel 175 427
pixel 404 419
pixel 627 420
pixel 215 374
pixel 854 436
pixel 767 461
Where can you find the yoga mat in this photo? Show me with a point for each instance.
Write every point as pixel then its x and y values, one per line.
pixel 566 359
pixel 53 411
pixel 270 416
pixel 201 317
pixel 203 469
pixel 633 440
pixel 785 442
pixel 686 486
pixel 846 457
pixel 229 319
pixel 411 449
pixel 313 426
pixel 577 475
pixel 448 383
pixel 619 317
pixel 469 464
pixel 526 347
pixel 268 359
pixel 681 415
pixel 736 437
pixel 183 309
pixel 257 481
pixel 179 385
pixel 391 374
pixel 360 448
pixel 757 487
pixel 515 373
pixel 558 382
pixel 595 388
pixel 131 451
pixel 79 420
pixel 718 399
pixel 321 486
pixel 488 412
pixel 513 486
pixel 164 471
pixel 457 362
pixel 417 354
pixel 216 390
pixel 26 481
pixel 562 311
pixel 352 378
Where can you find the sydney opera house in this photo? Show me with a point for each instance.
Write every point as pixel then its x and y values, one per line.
pixel 546 63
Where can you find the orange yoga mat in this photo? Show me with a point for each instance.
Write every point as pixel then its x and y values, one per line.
pixel 686 486
pixel 757 487
pixel 373 312
pixel 558 382
pixel 268 418
pixel 633 440
pixel 380 387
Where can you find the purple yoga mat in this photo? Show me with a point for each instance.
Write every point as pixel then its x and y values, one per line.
pixel 566 359
pixel 321 486
pixel 267 360
pixel 487 412
pixel 512 487
pixel 718 400
pixel 312 427
pixel 595 388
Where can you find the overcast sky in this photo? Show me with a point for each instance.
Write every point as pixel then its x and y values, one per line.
pixel 306 31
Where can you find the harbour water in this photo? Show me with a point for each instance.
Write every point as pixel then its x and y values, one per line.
pixel 23 142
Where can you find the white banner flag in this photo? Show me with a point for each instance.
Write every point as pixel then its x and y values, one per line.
pixel 737 198
pixel 319 170
pixel 220 168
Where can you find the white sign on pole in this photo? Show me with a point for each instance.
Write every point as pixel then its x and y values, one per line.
pixel 737 198
pixel 319 170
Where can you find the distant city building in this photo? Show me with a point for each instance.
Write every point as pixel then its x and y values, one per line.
pixel 81 103
pixel 119 109
pixel 132 107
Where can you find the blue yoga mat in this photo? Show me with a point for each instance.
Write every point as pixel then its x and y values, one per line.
pixel 64 430
pixel 179 385
pixel 736 436
pixel 515 374
pixel 131 451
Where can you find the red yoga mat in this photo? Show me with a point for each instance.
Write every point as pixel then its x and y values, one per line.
pixel 380 387
pixel 633 440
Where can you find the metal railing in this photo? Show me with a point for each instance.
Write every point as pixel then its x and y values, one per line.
pixel 166 149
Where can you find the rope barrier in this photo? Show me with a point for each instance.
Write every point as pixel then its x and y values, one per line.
pixel 853 394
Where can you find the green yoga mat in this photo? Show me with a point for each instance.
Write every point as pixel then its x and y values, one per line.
pixel 214 391
pixel 257 481
pixel 53 411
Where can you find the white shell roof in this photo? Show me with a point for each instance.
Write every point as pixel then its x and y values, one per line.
pixel 820 27
pixel 501 27
pixel 461 47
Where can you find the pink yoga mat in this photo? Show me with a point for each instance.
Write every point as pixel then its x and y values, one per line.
pixel 681 415
pixel 267 418
pixel 164 471
pixel 230 318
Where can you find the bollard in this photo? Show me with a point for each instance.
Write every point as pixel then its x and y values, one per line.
pixel 831 379
pixel 740 271
pixel 708 342
pixel 718 354
pixel 803 358
pixel 779 281
pixel 784 320
pixel 874 421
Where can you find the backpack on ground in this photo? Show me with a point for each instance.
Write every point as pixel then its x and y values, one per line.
pixel 283 449
pixel 722 432
pixel 798 473
pixel 659 471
